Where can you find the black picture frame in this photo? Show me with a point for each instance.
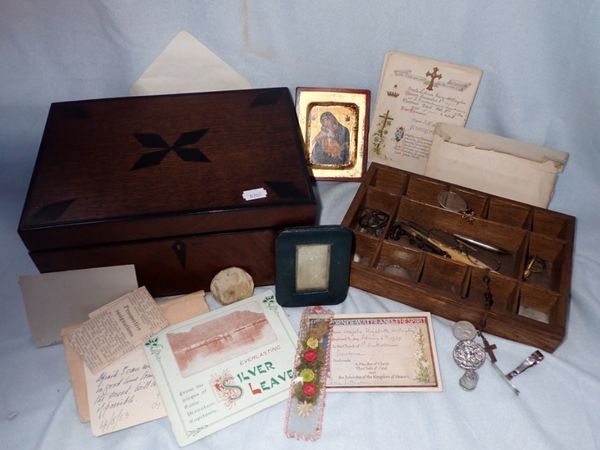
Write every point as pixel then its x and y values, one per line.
pixel 313 265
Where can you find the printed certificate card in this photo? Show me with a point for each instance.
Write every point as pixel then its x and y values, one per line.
pixel 223 366
pixel 414 94
pixel 383 352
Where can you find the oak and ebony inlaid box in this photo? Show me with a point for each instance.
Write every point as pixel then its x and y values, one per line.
pixel 182 186
pixel 528 273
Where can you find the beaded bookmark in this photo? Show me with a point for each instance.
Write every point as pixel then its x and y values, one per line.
pixel 307 393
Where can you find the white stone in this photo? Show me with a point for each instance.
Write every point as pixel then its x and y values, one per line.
pixel 231 284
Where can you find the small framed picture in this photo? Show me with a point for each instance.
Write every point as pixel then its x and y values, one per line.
pixel 312 265
pixel 334 124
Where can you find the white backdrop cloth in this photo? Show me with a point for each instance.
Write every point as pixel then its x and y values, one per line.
pixel 541 84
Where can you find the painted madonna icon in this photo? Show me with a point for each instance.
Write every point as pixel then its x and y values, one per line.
pixel 331 145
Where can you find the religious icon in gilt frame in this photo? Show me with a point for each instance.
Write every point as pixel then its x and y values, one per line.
pixel 334 126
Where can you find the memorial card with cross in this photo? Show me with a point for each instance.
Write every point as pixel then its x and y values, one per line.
pixel 414 94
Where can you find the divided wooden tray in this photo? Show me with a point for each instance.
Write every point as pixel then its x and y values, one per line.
pixel 532 310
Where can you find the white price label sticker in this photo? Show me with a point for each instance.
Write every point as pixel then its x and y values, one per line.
pixel 254 194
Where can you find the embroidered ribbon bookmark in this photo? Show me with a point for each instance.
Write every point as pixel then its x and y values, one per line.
pixel 307 394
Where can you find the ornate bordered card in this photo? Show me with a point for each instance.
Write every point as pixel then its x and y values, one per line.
pixel 383 352
pixel 414 94
pixel 223 366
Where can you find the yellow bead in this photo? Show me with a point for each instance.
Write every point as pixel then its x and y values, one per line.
pixel 307 375
pixel 312 342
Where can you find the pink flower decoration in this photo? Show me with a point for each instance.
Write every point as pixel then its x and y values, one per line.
pixel 310 356
pixel 309 389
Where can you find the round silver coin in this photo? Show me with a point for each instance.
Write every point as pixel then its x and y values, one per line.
pixel 463 330
pixel 452 201
pixel 469 355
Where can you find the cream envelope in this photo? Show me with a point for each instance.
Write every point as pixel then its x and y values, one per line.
pixel 494 164
pixel 186 65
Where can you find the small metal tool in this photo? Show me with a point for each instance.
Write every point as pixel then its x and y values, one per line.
pixel 435 241
pixel 505 378
pixel 534 265
pixel 530 361
pixel 477 243
pixel 489 349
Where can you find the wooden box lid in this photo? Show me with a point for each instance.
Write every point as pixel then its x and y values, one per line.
pixel 124 169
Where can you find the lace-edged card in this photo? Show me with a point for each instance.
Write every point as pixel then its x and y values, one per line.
pixel 307 393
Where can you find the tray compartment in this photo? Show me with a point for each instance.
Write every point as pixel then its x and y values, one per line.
pixel 504 290
pixel 547 268
pixel 389 181
pixel 372 201
pixel 399 262
pixel 427 190
pixel 508 212
pixel 365 249
pixel 550 223
pixel 538 304
pixel 444 274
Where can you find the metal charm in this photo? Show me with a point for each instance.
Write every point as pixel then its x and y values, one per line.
pixel 464 330
pixel 469 355
pixel 534 265
pixel 372 220
pixel 452 201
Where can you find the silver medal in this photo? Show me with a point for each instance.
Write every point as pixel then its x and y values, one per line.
pixel 469 355
pixel 464 330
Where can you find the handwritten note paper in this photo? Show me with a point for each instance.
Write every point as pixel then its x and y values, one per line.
pixel 414 94
pixel 117 329
pixel 383 352
pixel 124 394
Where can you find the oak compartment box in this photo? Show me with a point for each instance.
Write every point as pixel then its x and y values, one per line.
pixel 532 310
pixel 181 185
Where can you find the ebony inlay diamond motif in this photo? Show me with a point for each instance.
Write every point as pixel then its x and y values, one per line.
pixel 180 147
